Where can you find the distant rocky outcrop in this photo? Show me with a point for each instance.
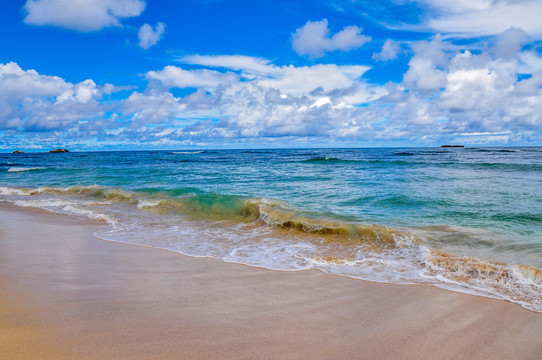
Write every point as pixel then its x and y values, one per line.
pixel 446 146
pixel 59 151
pixel 18 152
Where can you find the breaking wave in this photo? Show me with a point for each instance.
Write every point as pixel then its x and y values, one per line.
pixel 275 234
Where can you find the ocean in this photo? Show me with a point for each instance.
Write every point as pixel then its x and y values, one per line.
pixel 462 219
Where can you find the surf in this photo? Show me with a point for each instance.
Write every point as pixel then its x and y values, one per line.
pixel 247 228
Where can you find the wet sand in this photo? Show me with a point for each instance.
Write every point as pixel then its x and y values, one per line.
pixel 65 294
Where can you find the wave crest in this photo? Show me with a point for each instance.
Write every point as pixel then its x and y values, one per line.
pixel 278 215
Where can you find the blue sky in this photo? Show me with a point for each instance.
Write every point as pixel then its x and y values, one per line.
pixel 142 74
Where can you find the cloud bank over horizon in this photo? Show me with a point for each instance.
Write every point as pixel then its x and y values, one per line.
pixel 471 95
pixel 485 91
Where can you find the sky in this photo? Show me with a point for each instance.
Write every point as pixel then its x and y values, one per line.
pixel 183 74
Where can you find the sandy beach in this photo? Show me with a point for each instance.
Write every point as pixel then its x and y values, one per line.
pixel 65 294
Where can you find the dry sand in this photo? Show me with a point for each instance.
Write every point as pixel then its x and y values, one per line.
pixel 67 295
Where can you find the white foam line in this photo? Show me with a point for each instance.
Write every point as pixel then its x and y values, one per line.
pixel 21 169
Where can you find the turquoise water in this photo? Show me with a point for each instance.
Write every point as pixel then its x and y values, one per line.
pixel 465 219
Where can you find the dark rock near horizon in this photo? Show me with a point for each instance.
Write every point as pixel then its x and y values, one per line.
pixel 59 151
pixel 18 152
pixel 452 146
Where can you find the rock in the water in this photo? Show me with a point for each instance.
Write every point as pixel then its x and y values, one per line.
pixel 58 151
pixel 453 146
pixel 18 152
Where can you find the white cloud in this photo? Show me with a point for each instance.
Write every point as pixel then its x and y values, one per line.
pixel 530 86
pixel 425 67
pixel 39 102
pixel 247 64
pixel 313 39
pixel 509 43
pixel 422 75
pixel 252 98
pixel 466 88
pixel 490 94
pixel 173 76
pixel 530 62
pixel 485 17
pixel 81 15
pixel 447 91
pixel 19 84
pixel 250 110
pixel 288 79
pixel 151 108
pixel 43 115
pixel 389 51
pixel 302 80
pixel 464 93
pixel 149 36
pixel 82 92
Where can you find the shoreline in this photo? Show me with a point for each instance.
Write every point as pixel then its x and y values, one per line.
pixel 67 294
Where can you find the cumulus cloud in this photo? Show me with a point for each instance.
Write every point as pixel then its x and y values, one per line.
pixel 425 67
pixel 81 15
pixel 19 84
pixel 257 99
pixel 153 107
pixel 149 36
pixel 252 111
pixel 462 92
pixel 313 39
pixel 389 51
pixel 36 102
pixel 509 43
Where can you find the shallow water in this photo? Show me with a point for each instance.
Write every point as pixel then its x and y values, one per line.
pixel 466 219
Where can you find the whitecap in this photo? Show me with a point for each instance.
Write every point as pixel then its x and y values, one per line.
pixel 20 169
